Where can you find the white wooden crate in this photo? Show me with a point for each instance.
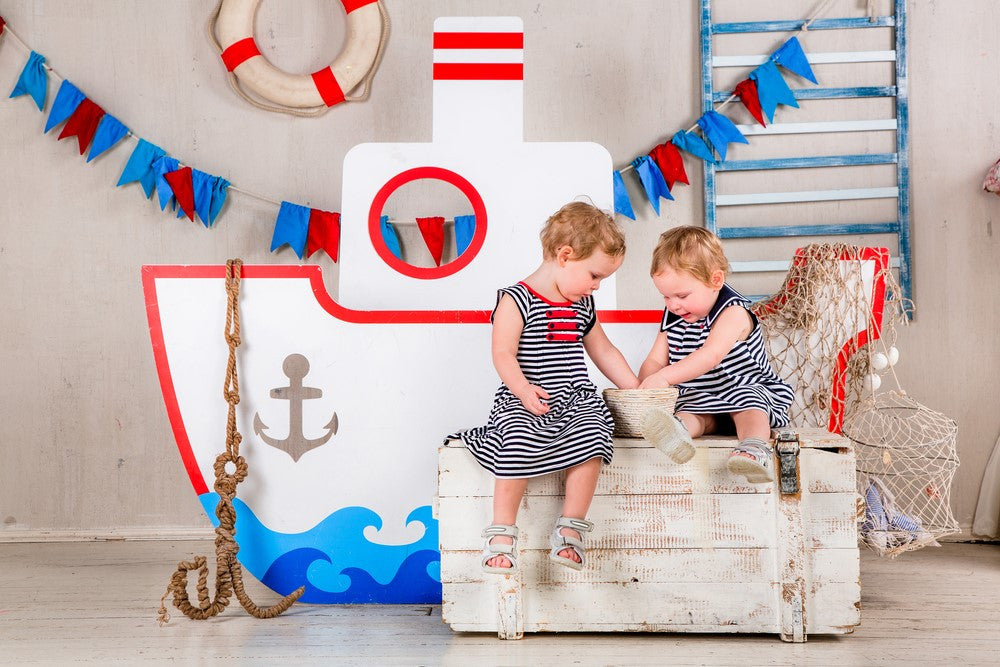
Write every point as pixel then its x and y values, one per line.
pixel 676 548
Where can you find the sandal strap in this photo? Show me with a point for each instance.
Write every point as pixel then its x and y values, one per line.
pixel 579 525
pixel 500 529
pixel 499 549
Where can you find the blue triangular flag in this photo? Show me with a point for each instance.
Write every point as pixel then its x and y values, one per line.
pixel 201 183
pixel 390 238
pixel 219 190
pixel 791 57
pixel 622 203
pixel 720 131
pixel 68 98
pixel 164 165
pixel 34 80
pixel 652 181
pixel 291 227
pixel 693 144
pixel 465 229
pixel 109 132
pixel 772 89
pixel 140 166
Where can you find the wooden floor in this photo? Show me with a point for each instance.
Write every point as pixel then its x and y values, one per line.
pixel 96 602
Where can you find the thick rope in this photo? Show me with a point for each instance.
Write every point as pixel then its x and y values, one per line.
pixel 228 573
pixel 309 112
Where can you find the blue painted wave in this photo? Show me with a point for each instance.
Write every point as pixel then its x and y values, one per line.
pixel 335 561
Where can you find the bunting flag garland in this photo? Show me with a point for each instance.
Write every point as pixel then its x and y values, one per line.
pixel 465 229
pixel 140 166
pixel 772 89
pixel 791 57
pixel 693 144
pixel 622 203
pixel 747 91
pixel 183 189
pixel 161 166
pixel 389 237
pixel 432 229
pixel 34 80
pixel 671 164
pixel 324 233
pixel 652 181
pixel 83 123
pixel 68 98
pixel 291 227
pixel 720 131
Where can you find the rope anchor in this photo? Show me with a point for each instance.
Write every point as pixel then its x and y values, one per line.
pixel 228 572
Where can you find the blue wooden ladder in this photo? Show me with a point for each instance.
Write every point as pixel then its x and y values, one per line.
pixel 713 200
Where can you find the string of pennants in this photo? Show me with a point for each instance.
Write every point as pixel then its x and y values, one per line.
pixel 761 93
pixel 191 192
pixel 194 193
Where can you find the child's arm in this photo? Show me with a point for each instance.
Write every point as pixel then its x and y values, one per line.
pixel 507 327
pixel 657 359
pixel 609 358
pixel 732 326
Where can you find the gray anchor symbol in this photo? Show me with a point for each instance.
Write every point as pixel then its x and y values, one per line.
pixel 296 444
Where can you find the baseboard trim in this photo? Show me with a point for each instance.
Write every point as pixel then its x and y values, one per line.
pixel 107 535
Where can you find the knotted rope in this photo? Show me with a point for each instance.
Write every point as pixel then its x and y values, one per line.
pixel 228 573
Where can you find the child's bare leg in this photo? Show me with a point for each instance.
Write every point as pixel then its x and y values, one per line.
pixel 581 480
pixel 752 424
pixel 507 494
pixel 697 425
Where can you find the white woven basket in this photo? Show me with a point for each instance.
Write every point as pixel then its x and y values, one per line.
pixel 629 405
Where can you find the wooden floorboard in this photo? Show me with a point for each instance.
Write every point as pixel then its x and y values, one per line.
pixel 95 602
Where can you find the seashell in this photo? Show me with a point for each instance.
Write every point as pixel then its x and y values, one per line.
pixel 893 355
pixel 879 361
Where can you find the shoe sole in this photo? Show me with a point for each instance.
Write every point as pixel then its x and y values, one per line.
pixel 753 471
pixel 660 430
pixel 566 562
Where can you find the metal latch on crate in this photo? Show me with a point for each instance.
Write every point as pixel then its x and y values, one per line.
pixel 787 445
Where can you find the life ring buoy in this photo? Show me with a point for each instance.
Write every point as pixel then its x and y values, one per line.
pixel 233 30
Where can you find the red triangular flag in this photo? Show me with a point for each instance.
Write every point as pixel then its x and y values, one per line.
pixel 83 123
pixel 432 229
pixel 747 90
pixel 2 24
pixel 324 233
pixel 669 160
pixel 183 187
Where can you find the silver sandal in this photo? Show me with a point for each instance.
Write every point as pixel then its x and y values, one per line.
pixel 508 551
pixel 562 542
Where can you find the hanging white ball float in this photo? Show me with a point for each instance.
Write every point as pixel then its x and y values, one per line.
pixel 872 382
pixel 893 355
pixel 879 361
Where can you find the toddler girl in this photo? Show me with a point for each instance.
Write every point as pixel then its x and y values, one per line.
pixel 710 346
pixel 547 415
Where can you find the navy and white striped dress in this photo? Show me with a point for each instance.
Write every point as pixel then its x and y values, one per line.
pixel 742 381
pixel 516 443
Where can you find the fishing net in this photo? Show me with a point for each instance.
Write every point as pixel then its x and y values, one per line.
pixel 838 300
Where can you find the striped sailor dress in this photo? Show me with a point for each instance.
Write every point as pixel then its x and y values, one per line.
pixel 742 381
pixel 515 443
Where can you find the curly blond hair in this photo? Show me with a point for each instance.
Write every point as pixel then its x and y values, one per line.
pixel 694 250
pixel 584 228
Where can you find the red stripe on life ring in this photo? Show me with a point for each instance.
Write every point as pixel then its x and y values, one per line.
pixel 351 5
pixel 479 71
pixel 479 40
pixel 239 52
pixel 328 87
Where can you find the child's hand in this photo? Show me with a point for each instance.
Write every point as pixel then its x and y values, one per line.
pixel 654 381
pixel 534 399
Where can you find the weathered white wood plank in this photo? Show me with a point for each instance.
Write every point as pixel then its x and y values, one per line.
pixel 657 565
pixel 677 607
pixel 659 522
pixel 644 470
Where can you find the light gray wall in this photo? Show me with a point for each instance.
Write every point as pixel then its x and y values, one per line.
pixel 85 439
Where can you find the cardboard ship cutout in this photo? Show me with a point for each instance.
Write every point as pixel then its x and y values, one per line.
pixel 344 404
